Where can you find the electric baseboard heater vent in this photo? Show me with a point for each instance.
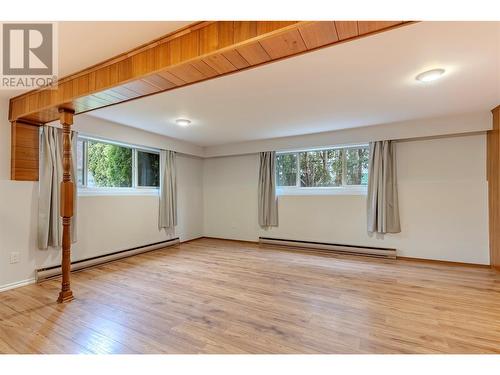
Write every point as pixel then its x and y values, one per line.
pixel 50 272
pixel 337 248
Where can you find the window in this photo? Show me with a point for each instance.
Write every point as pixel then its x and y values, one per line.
pixel 286 169
pixel 148 169
pixel 320 168
pixel 345 167
pixel 79 162
pixel 356 166
pixel 108 166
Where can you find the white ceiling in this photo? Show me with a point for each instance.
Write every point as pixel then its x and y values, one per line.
pixel 83 44
pixel 364 82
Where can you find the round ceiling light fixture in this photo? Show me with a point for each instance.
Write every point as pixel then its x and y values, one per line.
pixel 182 122
pixel 430 75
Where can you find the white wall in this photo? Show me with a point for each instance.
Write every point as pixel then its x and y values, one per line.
pixel 93 126
pixel 110 223
pixel 429 127
pixel 442 184
pixel 442 192
pixel 106 223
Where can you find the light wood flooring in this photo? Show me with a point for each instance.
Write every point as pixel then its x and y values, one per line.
pixel 215 296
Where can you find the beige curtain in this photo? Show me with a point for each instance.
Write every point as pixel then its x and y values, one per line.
pixel 51 172
pixel 382 200
pixel 168 191
pixel 268 204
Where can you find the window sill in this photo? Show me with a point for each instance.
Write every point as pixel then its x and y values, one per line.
pixel 341 190
pixel 96 192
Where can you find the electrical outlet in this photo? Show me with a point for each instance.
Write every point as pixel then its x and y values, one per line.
pixel 14 257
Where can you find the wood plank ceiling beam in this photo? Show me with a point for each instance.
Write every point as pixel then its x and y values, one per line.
pixel 196 53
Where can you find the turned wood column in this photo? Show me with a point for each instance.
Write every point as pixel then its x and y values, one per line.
pixel 493 158
pixel 66 120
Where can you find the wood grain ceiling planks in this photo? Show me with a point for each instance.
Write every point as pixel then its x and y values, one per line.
pixel 346 29
pixel 365 27
pixel 199 52
pixel 318 34
pixel 282 45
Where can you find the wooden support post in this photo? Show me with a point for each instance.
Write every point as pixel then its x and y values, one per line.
pixel 493 156
pixel 66 120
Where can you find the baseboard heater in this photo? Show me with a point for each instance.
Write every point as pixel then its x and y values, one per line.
pixel 338 248
pixel 50 272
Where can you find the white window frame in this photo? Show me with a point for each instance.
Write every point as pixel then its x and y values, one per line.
pixel 344 189
pixel 85 190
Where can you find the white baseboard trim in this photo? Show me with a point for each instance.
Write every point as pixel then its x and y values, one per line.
pixel 55 271
pixel 17 284
pixel 341 248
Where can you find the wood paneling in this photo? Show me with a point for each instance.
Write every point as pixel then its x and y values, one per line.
pixel 220 64
pixel 243 30
pixel 215 296
pixel 196 53
pixel 282 45
pixel 24 151
pixel 365 27
pixel 216 36
pixel 493 158
pixel 236 59
pixel 317 34
pixel 254 54
pixel 346 29
pixel 223 46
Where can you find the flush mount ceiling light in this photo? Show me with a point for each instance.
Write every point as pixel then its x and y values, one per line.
pixel 430 75
pixel 182 122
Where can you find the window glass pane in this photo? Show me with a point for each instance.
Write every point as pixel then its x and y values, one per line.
pixel 109 165
pixel 321 168
pixel 148 169
pixel 357 166
pixel 79 162
pixel 286 169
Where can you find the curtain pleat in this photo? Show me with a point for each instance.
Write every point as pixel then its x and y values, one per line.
pixel 168 191
pixel 382 199
pixel 268 204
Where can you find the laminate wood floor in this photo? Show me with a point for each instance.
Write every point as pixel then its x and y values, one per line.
pixel 215 296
